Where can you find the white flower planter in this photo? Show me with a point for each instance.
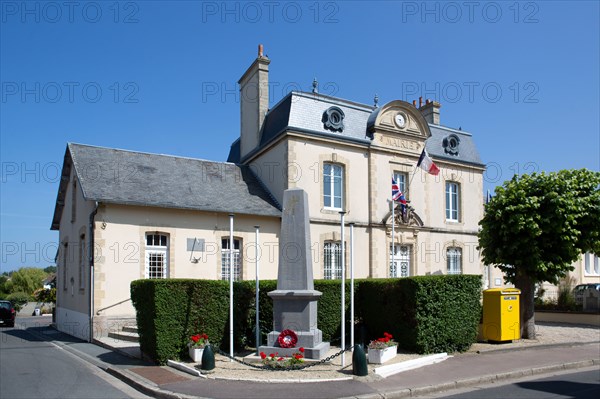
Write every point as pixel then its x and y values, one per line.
pixel 196 354
pixel 380 356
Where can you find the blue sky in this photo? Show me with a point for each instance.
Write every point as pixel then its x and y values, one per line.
pixel 153 76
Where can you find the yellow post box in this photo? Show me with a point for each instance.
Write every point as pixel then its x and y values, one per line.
pixel 501 316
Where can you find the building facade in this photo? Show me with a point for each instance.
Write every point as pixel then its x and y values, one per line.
pixel 125 215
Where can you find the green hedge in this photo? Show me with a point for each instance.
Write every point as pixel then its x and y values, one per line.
pixel 425 314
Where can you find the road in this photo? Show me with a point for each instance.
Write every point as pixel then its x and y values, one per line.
pixel 32 366
pixel 583 384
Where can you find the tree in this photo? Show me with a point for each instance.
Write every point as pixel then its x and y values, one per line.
pixel 536 226
pixel 26 279
pixel 50 269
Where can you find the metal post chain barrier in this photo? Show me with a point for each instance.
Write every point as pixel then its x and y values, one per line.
pixel 294 367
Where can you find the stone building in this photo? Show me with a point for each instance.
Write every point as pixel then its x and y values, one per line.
pixel 126 215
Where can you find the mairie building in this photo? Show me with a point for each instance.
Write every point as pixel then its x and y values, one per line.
pixel 124 215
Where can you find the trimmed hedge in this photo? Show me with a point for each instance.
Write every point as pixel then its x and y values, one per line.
pixel 425 314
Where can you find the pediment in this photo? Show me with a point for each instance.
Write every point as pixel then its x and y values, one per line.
pixel 399 125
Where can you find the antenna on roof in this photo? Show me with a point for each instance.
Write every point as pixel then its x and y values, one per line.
pixel 376 100
pixel 315 85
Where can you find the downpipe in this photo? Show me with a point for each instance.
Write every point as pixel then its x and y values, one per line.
pixel 91 261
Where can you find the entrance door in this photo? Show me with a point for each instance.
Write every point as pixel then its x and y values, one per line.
pixel 400 262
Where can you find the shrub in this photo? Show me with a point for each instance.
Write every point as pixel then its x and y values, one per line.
pixel 18 299
pixel 424 314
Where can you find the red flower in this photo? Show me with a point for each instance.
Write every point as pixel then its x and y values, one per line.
pixel 263 355
pixel 301 349
pixel 272 355
pixel 196 337
pixel 280 359
pixel 298 357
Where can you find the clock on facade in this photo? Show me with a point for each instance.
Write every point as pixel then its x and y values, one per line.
pixel 400 120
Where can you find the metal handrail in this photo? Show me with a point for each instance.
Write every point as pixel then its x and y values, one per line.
pixel 111 306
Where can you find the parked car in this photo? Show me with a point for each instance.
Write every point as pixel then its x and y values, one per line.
pixel 7 313
pixel 580 289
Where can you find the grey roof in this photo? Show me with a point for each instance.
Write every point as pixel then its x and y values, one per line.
pixel 467 151
pixel 300 111
pixel 134 178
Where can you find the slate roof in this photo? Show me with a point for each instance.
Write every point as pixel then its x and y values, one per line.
pixel 116 176
pixel 467 151
pixel 302 112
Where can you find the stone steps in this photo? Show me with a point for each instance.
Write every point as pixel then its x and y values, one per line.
pixel 127 333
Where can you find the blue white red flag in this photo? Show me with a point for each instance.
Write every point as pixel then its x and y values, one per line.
pixel 427 164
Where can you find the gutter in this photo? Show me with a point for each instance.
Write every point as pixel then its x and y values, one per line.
pixel 91 261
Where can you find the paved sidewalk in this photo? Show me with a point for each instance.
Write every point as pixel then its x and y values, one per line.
pixel 569 348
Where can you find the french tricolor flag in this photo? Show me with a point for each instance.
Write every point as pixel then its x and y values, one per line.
pixel 426 163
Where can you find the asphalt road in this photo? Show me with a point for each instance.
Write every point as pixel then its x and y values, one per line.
pixel 584 384
pixel 33 367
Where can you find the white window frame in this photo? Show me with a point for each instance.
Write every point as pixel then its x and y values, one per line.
pixel 401 179
pixel 329 182
pixel 401 258
pixel 155 250
pixel 591 264
pixel 452 201
pixel 332 260
pixel 225 257
pixel 454 260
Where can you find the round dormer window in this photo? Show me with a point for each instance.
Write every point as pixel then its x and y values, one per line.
pixel 451 144
pixel 333 119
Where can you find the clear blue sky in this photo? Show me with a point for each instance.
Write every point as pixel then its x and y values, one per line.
pixel 161 77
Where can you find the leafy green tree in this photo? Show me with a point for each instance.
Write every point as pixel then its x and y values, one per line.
pixel 537 226
pixel 50 269
pixel 26 279
pixel 45 295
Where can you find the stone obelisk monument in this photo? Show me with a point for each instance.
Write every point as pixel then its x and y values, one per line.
pixel 295 299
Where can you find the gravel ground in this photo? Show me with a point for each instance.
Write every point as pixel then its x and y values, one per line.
pixel 547 334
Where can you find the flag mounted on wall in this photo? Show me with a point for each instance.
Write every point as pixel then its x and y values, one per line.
pixel 398 196
pixel 427 164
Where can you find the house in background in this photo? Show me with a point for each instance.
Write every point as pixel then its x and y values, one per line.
pixel 126 215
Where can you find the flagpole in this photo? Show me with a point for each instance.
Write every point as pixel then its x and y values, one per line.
pixel 231 286
pixel 342 249
pixel 393 234
pixel 411 179
pixel 257 291
pixel 352 286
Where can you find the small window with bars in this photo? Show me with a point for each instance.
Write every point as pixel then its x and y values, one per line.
pixel 454 260
pixel 226 254
pixel 332 261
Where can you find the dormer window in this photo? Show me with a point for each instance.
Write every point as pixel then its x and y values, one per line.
pixel 450 144
pixel 333 119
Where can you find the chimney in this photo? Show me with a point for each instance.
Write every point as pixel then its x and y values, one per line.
pixel 254 102
pixel 431 112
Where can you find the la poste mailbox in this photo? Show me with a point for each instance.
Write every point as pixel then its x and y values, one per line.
pixel 501 316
